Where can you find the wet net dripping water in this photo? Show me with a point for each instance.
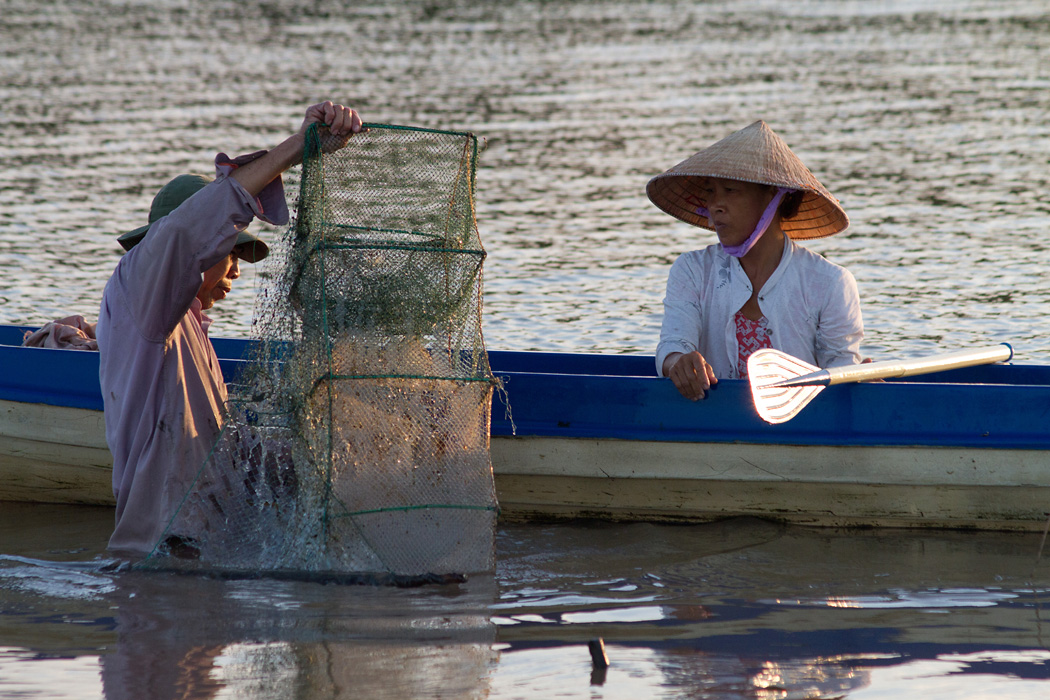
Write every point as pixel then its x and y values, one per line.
pixel 357 436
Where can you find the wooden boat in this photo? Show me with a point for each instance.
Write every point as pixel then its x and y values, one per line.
pixel 600 436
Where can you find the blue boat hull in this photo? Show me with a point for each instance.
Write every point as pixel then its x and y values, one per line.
pixel 578 435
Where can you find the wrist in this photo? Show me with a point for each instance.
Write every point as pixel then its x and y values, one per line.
pixel 669 362
pixel 291 149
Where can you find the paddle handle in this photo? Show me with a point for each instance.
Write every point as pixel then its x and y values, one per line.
pixel 907 368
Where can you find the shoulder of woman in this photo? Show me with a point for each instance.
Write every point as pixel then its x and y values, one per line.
pixel 816 271
pixel 816 260
pixel 703 256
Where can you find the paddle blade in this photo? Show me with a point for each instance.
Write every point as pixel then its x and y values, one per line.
pixel 781 385
pixel 779 404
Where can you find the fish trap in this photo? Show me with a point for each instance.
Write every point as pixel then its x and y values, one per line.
pixel 357 436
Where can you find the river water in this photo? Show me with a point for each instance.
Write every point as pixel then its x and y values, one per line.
pixel 926 118
pixel 730 610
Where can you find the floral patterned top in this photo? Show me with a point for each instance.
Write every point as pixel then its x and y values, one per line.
pixel 750 336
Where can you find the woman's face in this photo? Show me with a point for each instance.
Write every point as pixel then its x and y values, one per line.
pixel 734 207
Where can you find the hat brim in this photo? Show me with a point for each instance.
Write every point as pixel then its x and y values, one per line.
pixel 128 240
pixel 753 154
pixel 252 248
pixel 819 214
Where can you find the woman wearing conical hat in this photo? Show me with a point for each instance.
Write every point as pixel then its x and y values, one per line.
pixel 756 287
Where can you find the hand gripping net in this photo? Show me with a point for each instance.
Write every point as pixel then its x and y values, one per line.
pixel 357 437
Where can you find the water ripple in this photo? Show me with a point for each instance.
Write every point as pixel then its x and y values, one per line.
pixel 927 119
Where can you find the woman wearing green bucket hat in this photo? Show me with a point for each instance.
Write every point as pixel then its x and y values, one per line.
pixel 163 391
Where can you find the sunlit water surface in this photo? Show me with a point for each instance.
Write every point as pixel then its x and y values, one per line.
pixel 927 118
pixel 737 609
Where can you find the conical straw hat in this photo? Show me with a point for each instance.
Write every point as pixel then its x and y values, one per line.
pixel 753 154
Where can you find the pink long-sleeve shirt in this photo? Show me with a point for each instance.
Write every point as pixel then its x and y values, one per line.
pixel 162 387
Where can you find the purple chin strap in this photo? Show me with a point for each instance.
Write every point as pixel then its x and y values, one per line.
pixel 739 251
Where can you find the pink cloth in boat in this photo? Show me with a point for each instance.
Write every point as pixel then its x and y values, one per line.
pixel 69 333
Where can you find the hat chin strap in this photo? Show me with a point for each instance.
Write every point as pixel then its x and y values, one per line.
pixel 739 251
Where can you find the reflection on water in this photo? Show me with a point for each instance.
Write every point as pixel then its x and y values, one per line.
pixel 168 635
pixel 283 639
pixel 736 609
pixel 926 118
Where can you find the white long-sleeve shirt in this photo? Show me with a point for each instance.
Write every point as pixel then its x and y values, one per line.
pixel 812 307
pixel 162 387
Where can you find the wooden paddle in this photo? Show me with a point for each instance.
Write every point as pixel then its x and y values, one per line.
pixel 782 385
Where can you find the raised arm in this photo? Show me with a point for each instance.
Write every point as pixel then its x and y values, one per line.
pixel 342 123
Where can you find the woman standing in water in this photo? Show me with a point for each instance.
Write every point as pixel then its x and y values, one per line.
pixel 756 288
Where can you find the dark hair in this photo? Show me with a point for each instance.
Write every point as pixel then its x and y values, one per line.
pixel 790 204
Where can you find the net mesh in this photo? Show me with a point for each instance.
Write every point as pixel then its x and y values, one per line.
pixel 357 436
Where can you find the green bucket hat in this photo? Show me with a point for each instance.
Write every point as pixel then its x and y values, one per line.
pixel 168 200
